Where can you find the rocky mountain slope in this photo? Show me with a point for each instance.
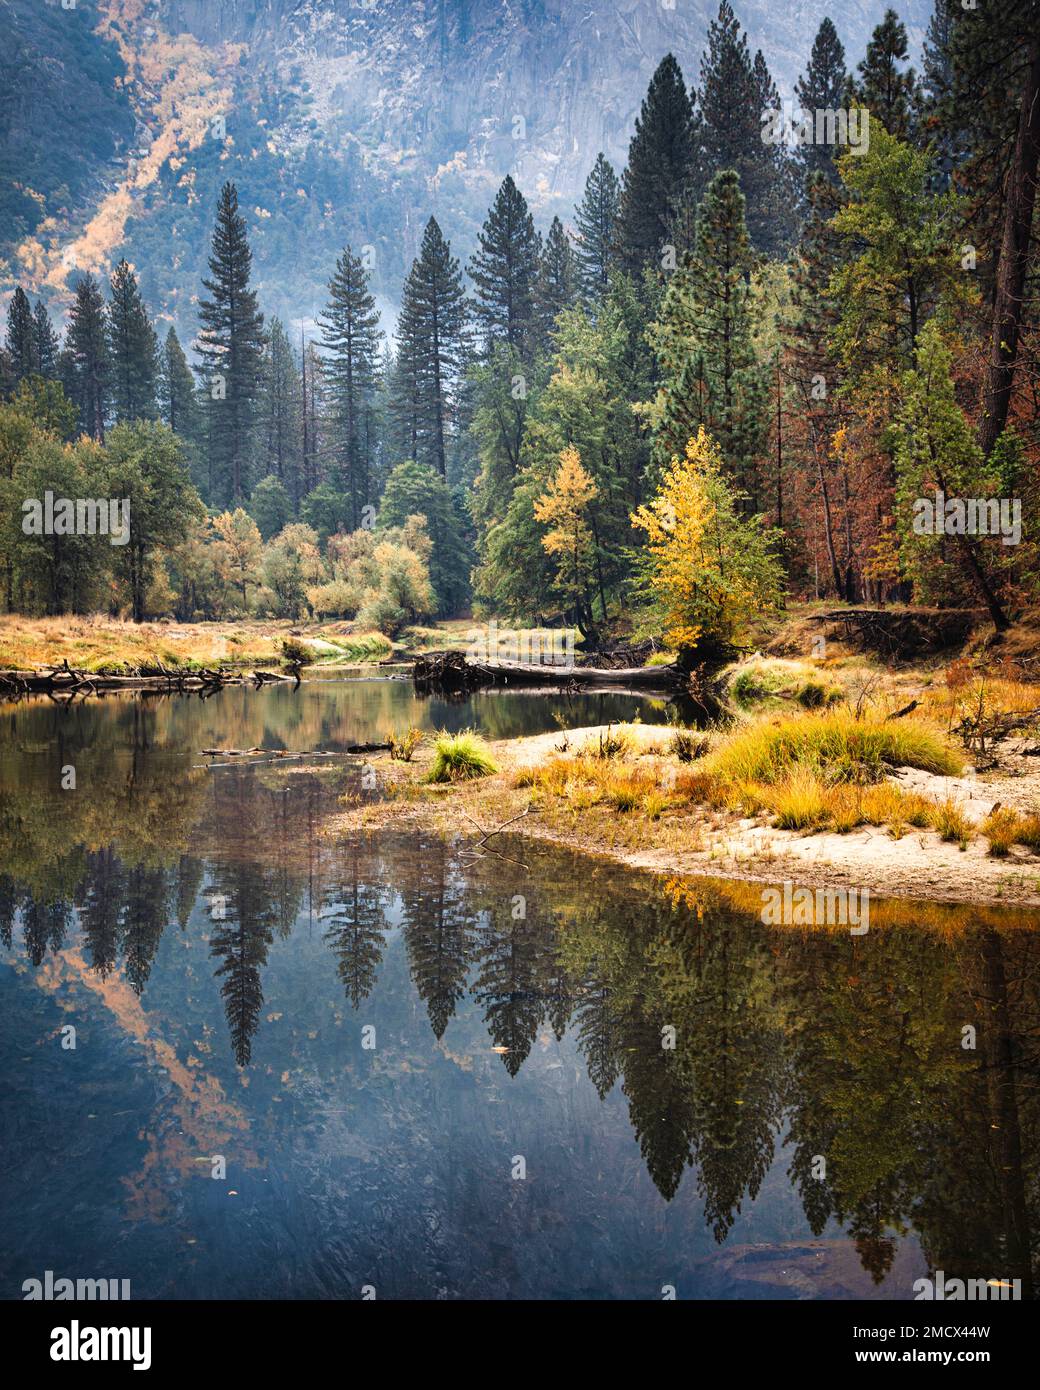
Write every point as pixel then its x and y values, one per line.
pixel 340 120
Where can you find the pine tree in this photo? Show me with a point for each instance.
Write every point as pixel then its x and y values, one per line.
pixel 178 405
pixel 703 341
pixel 432 349
pixel 993 115
pixel 21 345
pixel 662 168
pixel 557 285
pixel 132 349
pixel 177 399
pixel 821 88
pixel 350 331
pixel 231 346
pixel 280 410
pixel 596 220
pixel 889 92
pixel 505 270
pixel 45 342
pixel 88 357
pixel 736 92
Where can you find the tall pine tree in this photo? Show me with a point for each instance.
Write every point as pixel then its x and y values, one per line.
pixel 557 285
pixel 505 271
pixel 432 349
pixel 132 349
pixel 177 399
pixel 350 331
pixel 596 220
pixel 231 346
pixel 281 409
pixel 21 345
pixel 45 342
pixel 662 168
pixel 736 92
pixel 87 363
pixel 889 91
pixel 821 88
pixel 704 342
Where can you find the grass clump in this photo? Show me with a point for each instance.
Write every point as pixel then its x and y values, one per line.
pixel 951 823
pixel 815 695
pixel 610 743
pixel 402 749
pixel 459 757
pixel 1000 829
pixel 688 746
pixel 1005 827
pixel 754 683
pixel 799 802
pixel 835 744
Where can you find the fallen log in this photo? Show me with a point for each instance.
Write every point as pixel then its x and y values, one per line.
pixel 451 672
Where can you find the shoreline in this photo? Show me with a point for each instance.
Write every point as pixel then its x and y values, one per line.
pixel 918 865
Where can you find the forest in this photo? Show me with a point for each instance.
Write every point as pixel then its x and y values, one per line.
pixel 770 358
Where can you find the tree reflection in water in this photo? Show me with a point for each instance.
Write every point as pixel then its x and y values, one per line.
pixel 841 1053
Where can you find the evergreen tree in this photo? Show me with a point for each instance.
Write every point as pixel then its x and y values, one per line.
pixel 231 346
pixel 662 168
pixel 132 349
pixel 596 220
pixel 88 358
pixel 45 342
pixel 703 341
pixel 888 91
pixel 821 88
pixel 993 115
pixel 177 399
pixel 736 92
pixel 505 270
pixel 270 506
pixel 281 408
pixel 350 331
pixel 557 286
pixel 416 489
pixel 432 349
pixel 21 345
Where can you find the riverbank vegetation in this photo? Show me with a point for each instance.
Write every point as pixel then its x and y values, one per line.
pixel 733 379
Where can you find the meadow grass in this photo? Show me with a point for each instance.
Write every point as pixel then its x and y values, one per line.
pixel 835 744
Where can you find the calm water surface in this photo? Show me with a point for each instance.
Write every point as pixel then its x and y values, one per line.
pixel 375 1035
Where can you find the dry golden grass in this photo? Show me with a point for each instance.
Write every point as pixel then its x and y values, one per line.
pixel 109 644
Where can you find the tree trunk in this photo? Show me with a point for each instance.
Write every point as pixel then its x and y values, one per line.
pixel 1008 306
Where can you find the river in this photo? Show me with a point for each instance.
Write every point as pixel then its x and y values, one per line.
pixel 243 1058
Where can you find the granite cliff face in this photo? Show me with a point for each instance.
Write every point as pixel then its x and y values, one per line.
pixel 340 120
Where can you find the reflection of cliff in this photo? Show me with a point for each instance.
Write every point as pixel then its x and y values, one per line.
pixel 193 1119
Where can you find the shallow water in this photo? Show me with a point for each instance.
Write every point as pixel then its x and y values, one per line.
pixel 442 1076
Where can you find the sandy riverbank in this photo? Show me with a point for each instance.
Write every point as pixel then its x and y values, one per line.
pixel 699 841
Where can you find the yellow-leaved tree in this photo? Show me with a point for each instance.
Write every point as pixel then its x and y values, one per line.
pixel 564 508
pixel 708 569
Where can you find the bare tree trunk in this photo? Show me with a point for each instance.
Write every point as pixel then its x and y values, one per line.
pixel 1008 304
